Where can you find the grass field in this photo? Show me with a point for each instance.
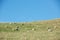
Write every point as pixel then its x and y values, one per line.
pixel 39 30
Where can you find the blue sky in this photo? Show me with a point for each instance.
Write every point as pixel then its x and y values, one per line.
pixel 28 10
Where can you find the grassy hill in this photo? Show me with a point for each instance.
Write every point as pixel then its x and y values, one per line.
pixel 39 30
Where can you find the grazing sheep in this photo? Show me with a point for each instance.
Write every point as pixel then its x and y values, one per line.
pixel 33 29
pixel 17 28
pixel 49 30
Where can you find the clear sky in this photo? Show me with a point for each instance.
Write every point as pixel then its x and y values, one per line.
pixel 28 10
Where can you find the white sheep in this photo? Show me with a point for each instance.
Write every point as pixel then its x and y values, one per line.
pixel 33 29
pixel 49 30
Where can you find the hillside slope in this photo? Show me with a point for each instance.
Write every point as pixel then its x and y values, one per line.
pixel 40 30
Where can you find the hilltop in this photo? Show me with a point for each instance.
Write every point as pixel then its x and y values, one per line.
pixel 39 30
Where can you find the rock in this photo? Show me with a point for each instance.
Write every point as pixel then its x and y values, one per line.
pixel 55 27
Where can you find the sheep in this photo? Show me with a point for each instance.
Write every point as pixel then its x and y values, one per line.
pixel 49 30
pixel 17 28
pixel 33 29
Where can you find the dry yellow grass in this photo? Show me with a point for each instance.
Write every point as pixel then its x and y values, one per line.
pixel 31 31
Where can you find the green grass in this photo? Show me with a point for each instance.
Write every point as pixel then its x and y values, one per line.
pixel 31 30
